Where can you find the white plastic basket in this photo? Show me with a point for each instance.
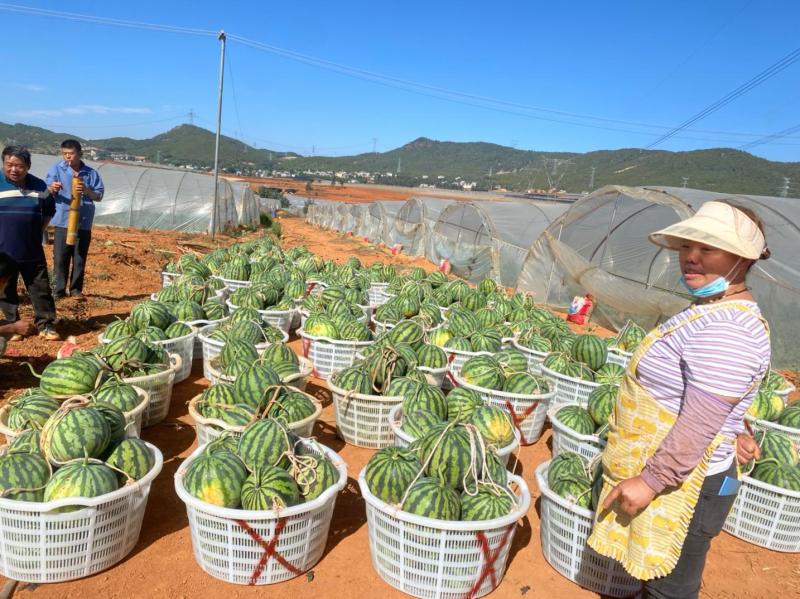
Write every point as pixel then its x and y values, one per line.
pixel 785 392
pixel 209 429
pixel 280 319
pixel 233 284
pixel 330 355
pixel 41 545
pixel 297 380
pixel 439 559
pixel 528 412
pixel 564 529
pixel 618 356
pixel 766 425
pixel 455 360
pixel 569 389
pixel 363 420
pixel 304 314
pixel 168 277
pixel 212 347
pixel 197 353
pixel 183 346
pixel 535 358
pixel 159 388
pixel 403 439
pixel 381 327
pixel 566 439
pixel 434 376
pixel 260 547
pixel 376 294
pixel 766 515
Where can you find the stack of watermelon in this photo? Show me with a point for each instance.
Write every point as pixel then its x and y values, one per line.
pixel 571 477
pixel 629 338
pixel 266 468
pixel 778 464
pixel 444 475
pixel 80 450
pixel 593 419
pixel 506 371
pixel 246 324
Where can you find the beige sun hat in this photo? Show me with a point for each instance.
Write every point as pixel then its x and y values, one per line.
pixel 718 225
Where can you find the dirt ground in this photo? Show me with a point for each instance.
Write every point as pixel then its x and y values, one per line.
pixel 123 268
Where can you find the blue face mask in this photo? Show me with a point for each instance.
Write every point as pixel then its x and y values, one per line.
pixel 715 287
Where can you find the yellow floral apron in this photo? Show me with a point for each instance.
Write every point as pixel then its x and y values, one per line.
pixel 649 544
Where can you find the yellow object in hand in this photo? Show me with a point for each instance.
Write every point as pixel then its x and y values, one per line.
pixel 74 212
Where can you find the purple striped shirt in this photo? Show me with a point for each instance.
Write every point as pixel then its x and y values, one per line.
pixel 723 352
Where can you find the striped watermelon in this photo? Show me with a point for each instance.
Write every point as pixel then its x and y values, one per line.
pixel 150 313
pixel 355 378
pixel 237 349
pixel 446 451
pixel 264 442
pixel 312 482
pixel 291 406
pixel 279 352
pixel 431 356
pixel 179 329
pixel 458 343
pixel 75 431
pixel 591 350
pixel 115 419
pixel 526 383
pixel 536 342
pixel 576 418
pixel 461 403
pixel 216 476
pixel 779 475
pixel 557 362
pixel 418 423
pixel 234 415
pixel 432 498
pixel 402 386
pixel 119 328
pixel 74 375
pixel 426 398
pixel 610 374
pixel 490 502
pixel 630 336
pixel 256 386
pixel 354 331
pixel 30 412
pixel 494 425
pixel 790 417
pixel 133 457
pixel 488 317
pixel 777 446
pixel 473 301
pixel 767 405
pixel 495 470
pixel 462 323
pixel 487 286
pixel 80 478
pixel 23 476
pixel 187 310
pixel 119 394
pixel 563 343
pixel 601 403
pixel 390 471
pixel 219 394
pixel 574 490
pixel 511 361
pixel 26 442
pixel 439 337
pixel 484 372
pixel 406 331
pixel 245 330
pixel 213 310
pixel 566 465
pixel 486 340
pixel 269 488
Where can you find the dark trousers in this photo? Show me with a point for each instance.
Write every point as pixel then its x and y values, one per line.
pixel 34 274
pixel 709 517
pixel 63 254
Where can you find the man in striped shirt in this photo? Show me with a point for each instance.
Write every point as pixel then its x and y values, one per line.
pixel 26 206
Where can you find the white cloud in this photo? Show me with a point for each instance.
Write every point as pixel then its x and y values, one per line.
pixel 28 87
pixel 81 109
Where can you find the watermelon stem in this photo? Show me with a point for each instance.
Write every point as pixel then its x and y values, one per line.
pixel 33 372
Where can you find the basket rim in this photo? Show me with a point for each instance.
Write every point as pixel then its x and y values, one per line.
pixel 620 352
pixel 205 339
pixel 341 342
pixel 774 425
pixel 760 484
pixel 441 370
pixel 338 391
pixel 523 504
pixel 175 365
pixel 200 419
pixel 395 424
pixel 540 474
pixel 288 312
pixel 235 281
pixel 528 350
pixel 563 377
pixel 327 495
pixel 307 367
pixel 505 394
pixel 551 414
pixel 87 502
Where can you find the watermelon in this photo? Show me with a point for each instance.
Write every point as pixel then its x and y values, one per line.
pixel 486 341
pixel 320 325
pixel 355 378
pixel 484 372
pixel 264 442
pixel 269 488
pixel 237 349
pixel 767 405
pixel 75 431
pixel 390 471
pixel 494 425
pixel 461 403
pixel 291 406
pixel 432 498
pixel 406 331
pixel 458 343
pixel 216 476
pixel 150 313
pixel 151 334
pixel 117 329
pixel 490 502
pixel 431 356
pixel 80 478
pixel 536 342
pixel 557 362
pixel 30 412
pixel 576 418
pixel 568 465
pixel 574 490
pixel 779 475
pixel 119 394
pixel 610 374
pixel 526 383
pixel 418 423
pixel 115 420
pixel 447 452
pixel 26 442
pixel 426 398
pixel 179 329
pixel 462 323
pixel 790 417
pixel 402 386
pixel 312 482
pixel 512 361
pixel 439 337
pixel 256 385
pixel 133 457
pixel 23 476
pixel 777 446
pixel 601 403
pixel 74 375
pixel 591 350
pixel 219 393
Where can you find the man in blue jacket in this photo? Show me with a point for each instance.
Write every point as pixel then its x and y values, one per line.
pixel 90 186
pixel 26 205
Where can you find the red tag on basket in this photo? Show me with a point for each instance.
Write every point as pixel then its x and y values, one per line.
pixel 269 550
pixel 450 358
pixel 310 287
pixel 488 570
pixel 518 419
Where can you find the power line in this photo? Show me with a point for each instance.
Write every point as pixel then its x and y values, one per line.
pixel 752 83
pixel 770 138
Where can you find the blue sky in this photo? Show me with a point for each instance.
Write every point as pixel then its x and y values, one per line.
pixel 648 63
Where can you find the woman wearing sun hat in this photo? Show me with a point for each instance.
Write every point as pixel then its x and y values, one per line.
pixel 670 474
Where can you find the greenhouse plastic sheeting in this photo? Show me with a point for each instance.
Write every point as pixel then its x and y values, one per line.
pixel 600 246
pixel 155 198
pixel 247 209
pixel 414 223
pixel 378 219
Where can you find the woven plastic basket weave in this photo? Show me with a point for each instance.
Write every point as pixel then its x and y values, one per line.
pixel 439 559
pixel 41 545
pixel 209 429
pixel 260 547
pixel 280 319
pixel 535 358
pixel 376 294
pixel 363 420
pixel 233 284
pixel 766 425
pixel 564 529
pixel 569 389
pixel 566 439
pixel 766 515
pixel 528 412
pixel 330 355
pixel 403 439
pixel 618 356
pixel 455 360
pixel 159 388
pixel 168 277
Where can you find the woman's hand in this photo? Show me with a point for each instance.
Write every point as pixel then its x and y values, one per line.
pixel 631 496
pixel 746 448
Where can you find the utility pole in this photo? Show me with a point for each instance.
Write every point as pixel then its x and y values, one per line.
pixel 591 179
pixel 192 115
pixel 785 188
pixel 685 181
pixel 221 38
pixel 374 145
